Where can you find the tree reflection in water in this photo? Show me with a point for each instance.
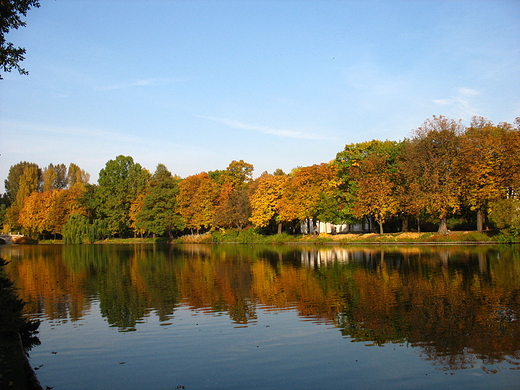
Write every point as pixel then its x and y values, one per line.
pixel 459 305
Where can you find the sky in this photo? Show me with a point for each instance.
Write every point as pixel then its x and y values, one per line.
pixel 195 85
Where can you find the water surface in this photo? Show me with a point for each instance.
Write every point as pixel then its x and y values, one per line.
pixel 271 317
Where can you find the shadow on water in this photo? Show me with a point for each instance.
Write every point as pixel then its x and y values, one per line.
pixel 18 336
pixel 458 305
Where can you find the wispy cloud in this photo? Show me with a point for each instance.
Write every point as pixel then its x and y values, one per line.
pixel 460 103
pixel 152 82
pixel 263 129
pixel 26 128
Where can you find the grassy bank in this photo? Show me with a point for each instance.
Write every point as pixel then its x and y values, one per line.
pixel 249 236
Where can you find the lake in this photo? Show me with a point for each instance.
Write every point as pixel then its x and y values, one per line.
pixel 272 317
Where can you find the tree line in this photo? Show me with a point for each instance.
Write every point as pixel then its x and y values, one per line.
pixel 443 170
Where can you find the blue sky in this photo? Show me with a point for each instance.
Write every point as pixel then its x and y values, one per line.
pixel 279 84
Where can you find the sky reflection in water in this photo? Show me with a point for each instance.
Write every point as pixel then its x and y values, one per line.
pixel 239 317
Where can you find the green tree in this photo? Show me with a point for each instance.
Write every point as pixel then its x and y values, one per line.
pixel 78 230
pixel 12 183
pixel 159 213
pixel 76 175
pixel 505 214
pixel 120 182
pixel 11 12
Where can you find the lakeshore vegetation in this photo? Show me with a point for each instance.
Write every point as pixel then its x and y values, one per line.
pixel 445 176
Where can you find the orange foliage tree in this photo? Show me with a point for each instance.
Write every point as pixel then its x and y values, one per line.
pixel 429 167
pixel 265 200
pixel 305 192
pixel 197 196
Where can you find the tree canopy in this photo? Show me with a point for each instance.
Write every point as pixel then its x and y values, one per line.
pixel 11 12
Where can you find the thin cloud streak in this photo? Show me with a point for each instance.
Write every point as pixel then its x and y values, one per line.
pixel 263 129
pixel 152 82
pixel 461 103
pixel 72 131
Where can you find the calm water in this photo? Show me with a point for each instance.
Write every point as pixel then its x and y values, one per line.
pixel 273 317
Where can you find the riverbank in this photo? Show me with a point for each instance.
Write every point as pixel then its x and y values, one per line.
pixel 17 336
pixel 251 237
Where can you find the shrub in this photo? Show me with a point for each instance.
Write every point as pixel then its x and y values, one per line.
pixel 505 214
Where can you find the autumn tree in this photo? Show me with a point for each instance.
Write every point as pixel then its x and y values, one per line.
pixel 197 196
pixel 265 200
pixel 21 185
pixel 304 192
pixel 32 215
pixel 367 174
pixel 375 193
pixel 511 163
pixel 11 18
pixel 120 182
pixel 428 164
pixel 232 208
pixel 47 212
pixel 482 158
pixel 54 177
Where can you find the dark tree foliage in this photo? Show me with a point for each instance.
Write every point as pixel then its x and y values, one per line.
pixel 11 12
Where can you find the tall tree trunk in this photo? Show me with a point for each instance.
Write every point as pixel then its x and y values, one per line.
pixel 381 230
pixel 418 225
pixel 480 220
pixel 279 228
pixel 443 226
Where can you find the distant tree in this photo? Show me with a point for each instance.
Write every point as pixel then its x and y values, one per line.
pixel 54 177
pixel 348 162
pixel 33 213
pixel 304 191
pixel 159 212
pixel 239 172
pixel 428 164
pixel 481 159
pixel 78 230
pixel 76 175
pixel 11 12
pixel 265 200
pixel 505 214
pixel 375 194
pixel 197 197
pixel 511 164
pixel 232 208
pixel 4 202
pixel 28 182
pixel 12 183
pixel 120 182
pixel 47 212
